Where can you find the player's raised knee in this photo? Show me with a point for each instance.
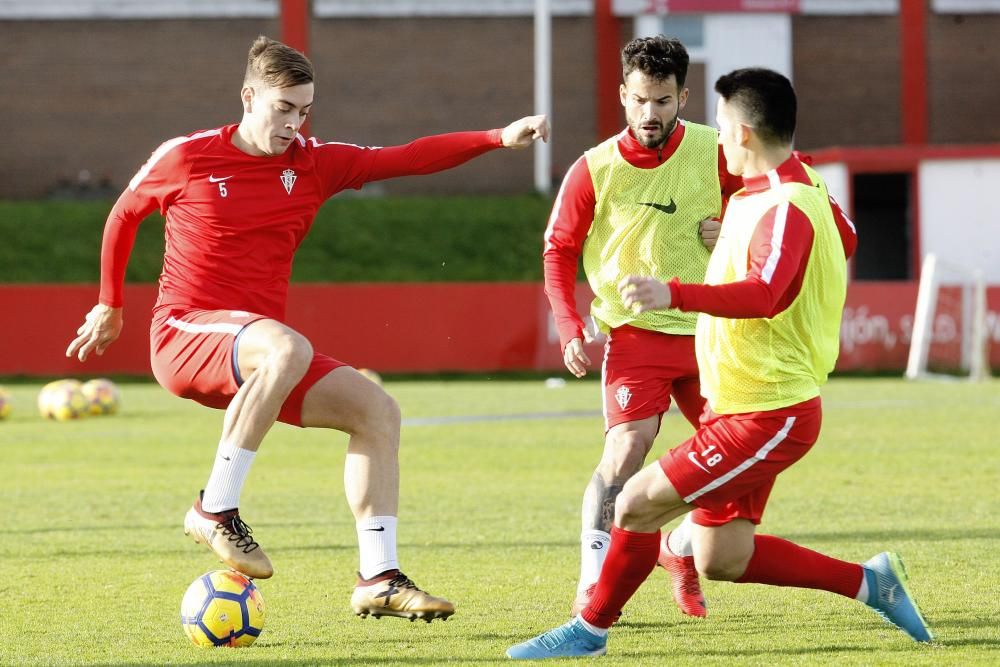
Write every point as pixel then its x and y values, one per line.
pixel 375 414
pixel 291 351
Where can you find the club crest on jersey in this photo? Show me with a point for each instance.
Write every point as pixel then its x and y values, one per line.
pixel 288 179
pixel 623 396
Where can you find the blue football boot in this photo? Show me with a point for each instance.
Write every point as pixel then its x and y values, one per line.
pixel 567 641
pixel 890 597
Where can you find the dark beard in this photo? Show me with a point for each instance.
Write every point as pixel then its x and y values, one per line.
pixel 659 140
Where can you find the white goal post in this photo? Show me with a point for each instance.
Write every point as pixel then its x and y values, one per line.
pixel 950 316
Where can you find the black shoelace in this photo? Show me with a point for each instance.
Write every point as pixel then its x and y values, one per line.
pixel 237 531
pixel 403 581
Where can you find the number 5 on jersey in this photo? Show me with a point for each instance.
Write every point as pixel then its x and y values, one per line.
pixel 223 192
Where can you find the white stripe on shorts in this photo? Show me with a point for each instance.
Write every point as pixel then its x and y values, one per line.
pixel 214 327
pixel 759 456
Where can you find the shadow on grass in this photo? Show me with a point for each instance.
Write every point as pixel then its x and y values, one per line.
pixel 87 529
pixel 121 552
pixel 991 623
pixel 887 536
pixel 829 651
pixel 975 643
pixel 353 661
pixel 937 534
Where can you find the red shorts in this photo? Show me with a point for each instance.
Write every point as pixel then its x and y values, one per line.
pixel 727 469
pixel 193 354
pixel 642 369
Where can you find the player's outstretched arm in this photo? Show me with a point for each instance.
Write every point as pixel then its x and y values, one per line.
pixel 100 328
pixel 522 133
pixel 345 166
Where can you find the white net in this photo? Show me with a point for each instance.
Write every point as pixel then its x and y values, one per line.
pixel 949 325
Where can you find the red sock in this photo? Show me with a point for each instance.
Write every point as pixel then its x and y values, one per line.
pixel 778 562
pixel 630 559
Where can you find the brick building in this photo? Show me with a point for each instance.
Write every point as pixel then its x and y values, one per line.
pixel 94 86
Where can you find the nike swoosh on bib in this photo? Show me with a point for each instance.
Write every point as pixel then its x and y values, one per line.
pixel 666 208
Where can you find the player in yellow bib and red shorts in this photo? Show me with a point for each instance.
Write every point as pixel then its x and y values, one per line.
pixel 767 337
pixel 639 202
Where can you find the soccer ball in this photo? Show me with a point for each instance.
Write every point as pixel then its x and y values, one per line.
pixel 4 403
pixel 222 608
pixel 62 400
pixel 371 375
pixel 102 395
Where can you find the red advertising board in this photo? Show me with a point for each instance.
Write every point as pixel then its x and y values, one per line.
pixel 434 327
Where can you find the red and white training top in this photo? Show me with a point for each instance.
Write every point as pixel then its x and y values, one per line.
pixel 777 258
pixel 234 221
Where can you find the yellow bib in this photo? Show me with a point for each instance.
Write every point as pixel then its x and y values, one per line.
pixel 750 365
pixel 646 223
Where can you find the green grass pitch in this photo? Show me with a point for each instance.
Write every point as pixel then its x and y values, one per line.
pixel 93 561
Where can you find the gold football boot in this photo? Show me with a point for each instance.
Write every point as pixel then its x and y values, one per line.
pixel 229 538
pixel 394 594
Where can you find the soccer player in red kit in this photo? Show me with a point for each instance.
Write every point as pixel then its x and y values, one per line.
pixel 238 200
pixel 767 337
pixel 645 201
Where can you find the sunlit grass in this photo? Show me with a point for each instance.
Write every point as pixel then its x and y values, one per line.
pixel 93 562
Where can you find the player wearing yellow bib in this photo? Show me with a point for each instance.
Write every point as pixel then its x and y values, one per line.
pixel 638 203
pixel 768 335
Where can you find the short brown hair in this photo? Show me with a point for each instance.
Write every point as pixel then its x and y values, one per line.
pixel 276 64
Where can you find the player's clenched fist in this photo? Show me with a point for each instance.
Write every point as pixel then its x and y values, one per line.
pixel 642 294
pixel 709 229
pixel 522 133
pixel 100 328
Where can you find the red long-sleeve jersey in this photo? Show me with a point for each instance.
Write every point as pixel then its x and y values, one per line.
pixel 778 256
pixel 573 215
pixel 234 221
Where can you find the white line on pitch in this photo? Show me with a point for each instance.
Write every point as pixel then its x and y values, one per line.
pixel 524 416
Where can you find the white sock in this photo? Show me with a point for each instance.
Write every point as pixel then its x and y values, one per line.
pixel 679 539
pixel 591 628
pixel 594 545
pixel 222 491
pixel 863 593
pixel 377 545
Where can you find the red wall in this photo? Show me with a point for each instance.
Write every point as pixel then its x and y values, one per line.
pixel 425 327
